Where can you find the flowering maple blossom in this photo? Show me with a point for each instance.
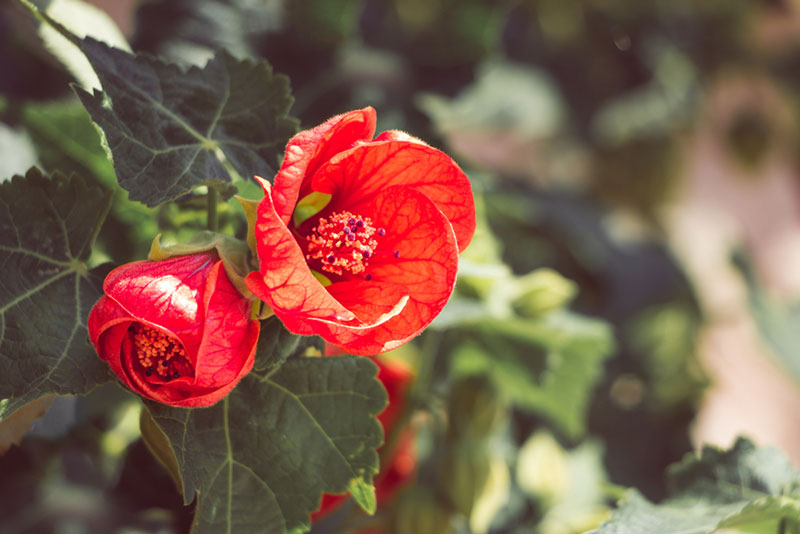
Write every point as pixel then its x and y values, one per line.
pixel 175 331
pixel 397 464
pixel 358 239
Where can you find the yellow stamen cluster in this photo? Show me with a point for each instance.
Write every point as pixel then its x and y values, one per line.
pixel 158 352
pixel 343 242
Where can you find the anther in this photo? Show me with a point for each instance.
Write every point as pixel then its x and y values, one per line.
pixel 396 253
pixel 367 277
pixel 342 242
pixel 381 232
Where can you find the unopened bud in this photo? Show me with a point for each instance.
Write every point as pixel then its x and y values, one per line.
pixel 542 468
pixel 416 510
pixel 475 408
pixel 465 472
pixel 541 291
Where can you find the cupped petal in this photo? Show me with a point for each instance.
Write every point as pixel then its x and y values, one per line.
pixel 170 292
pixel 355 176
pixel 229 339
pixel 284 280
pixel 425 269
pixel 309 149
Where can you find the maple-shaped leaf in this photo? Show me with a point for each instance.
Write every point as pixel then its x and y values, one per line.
pixel 260 459
pixel 47 227
pixel 741 490
pixel 169 130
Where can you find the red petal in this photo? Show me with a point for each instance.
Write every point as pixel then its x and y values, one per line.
pixel 425 270
pixel 309 149
pixel 359 174
pixel 285 282
pixel 169 292
pixel 229 339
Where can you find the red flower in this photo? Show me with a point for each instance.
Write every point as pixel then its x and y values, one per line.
pixel 397 465
pixel 358 239
pixel 175 331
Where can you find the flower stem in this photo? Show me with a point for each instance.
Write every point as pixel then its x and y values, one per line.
pixel 213 220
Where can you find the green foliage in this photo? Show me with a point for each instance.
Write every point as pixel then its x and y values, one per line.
pixel 547 366
pixel 47 227
pixel 276 344
pixel 261 458
pixel 168 131
pixel 743 489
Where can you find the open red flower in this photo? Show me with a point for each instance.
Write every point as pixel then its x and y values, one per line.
pixel 358 239
pixel 397 464
pixel 175 331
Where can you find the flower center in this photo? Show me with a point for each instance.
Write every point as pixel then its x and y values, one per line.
pixel 159 353
pixel 343 242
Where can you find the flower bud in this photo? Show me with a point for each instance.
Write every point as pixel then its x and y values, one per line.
pixel 475 408
pixel 541 291
pixel 465 472
pixel 417 511
pixel 542 468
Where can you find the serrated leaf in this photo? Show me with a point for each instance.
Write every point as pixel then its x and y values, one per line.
pixel 170 130
pixel 261 459
pixel 742 472
pixel 737 490
pixel 768 515
pixel 47 227
pixel 547 365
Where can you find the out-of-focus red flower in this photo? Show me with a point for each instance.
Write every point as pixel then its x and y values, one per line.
pixel 175 331
pixel 397 464
pixel 358 239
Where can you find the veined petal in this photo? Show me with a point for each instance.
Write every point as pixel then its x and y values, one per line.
pixel 170 291
pixel 284 280
pixel 227 351
pixel 425 270
pixel 354 177
pixel 309 149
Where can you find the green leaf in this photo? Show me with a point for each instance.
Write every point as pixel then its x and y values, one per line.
pixel 548 365
pixel 170 130
pixel 741 490
pixel 276 344
pixel 261 458
pixel 47 227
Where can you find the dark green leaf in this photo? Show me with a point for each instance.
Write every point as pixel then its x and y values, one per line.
pixel 744 489
pixel 547 365
pixel 261 458
pixel 47 227
pixel 276 344
pixel 168 130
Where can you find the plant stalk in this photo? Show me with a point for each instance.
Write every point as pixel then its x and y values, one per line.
pixel 213 199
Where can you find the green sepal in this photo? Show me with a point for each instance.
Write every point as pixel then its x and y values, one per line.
pixel 310 205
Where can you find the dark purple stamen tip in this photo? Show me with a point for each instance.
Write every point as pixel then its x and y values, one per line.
pixel 351 221
pixel 176 374
pixel 347 230
pixel 331 258
pixel 351 237
pixel 396 253
pixel 381 232
pixel 148 371
pixel 367 277
pixel 360 224
pixel 365 254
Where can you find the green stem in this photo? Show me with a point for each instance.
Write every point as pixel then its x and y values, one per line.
pixel 213 199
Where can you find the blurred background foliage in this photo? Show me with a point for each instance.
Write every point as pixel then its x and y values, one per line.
pixel 632 288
